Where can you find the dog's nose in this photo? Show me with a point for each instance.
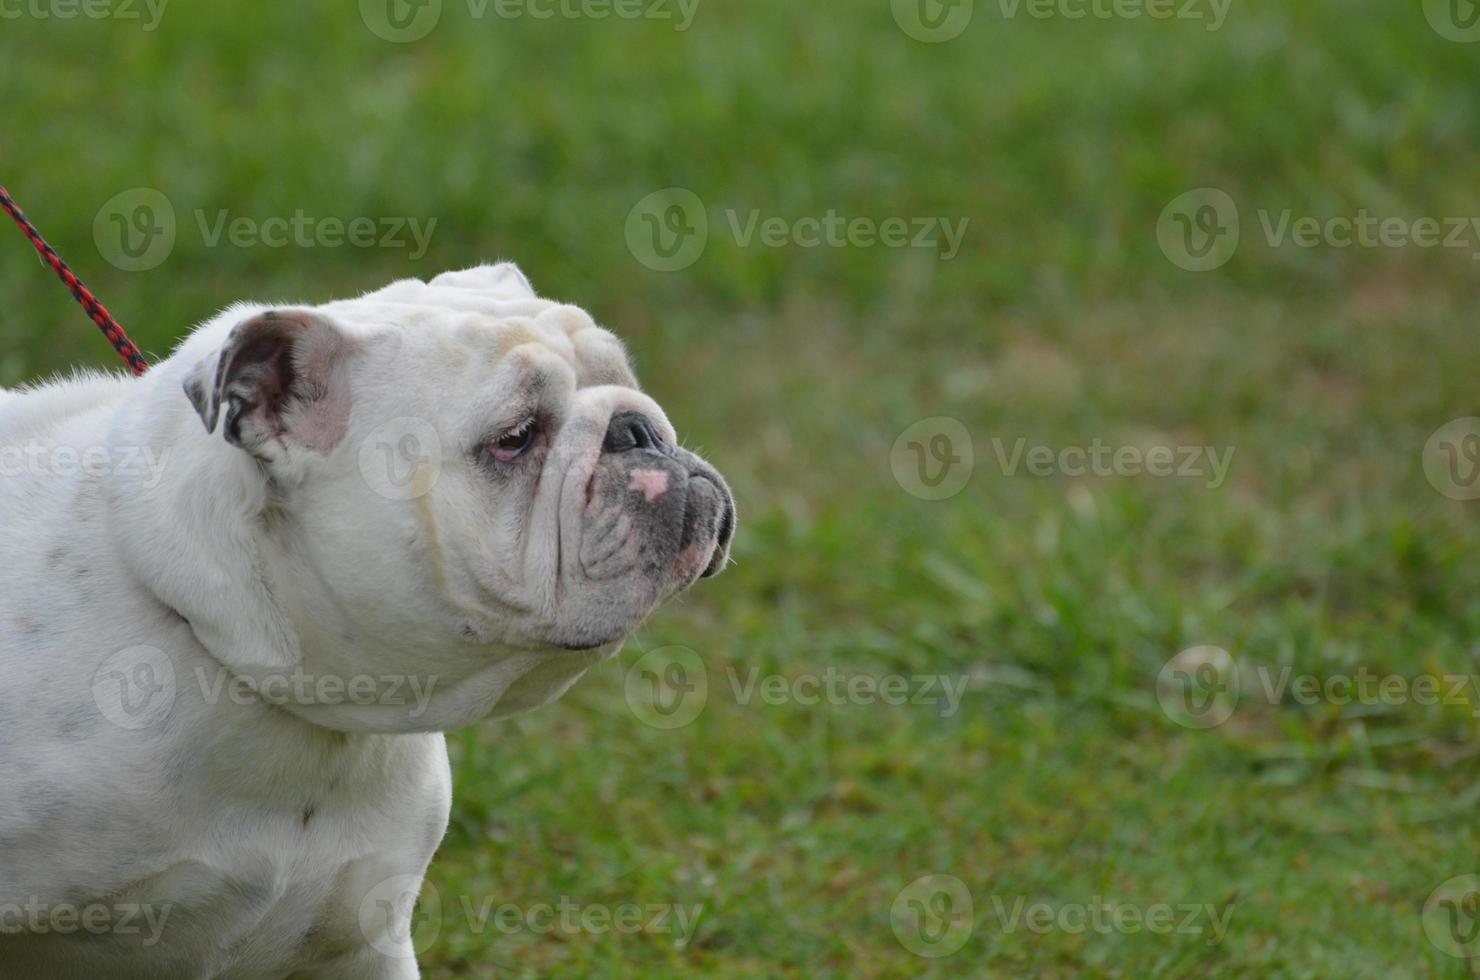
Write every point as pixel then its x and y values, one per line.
pixel 631 430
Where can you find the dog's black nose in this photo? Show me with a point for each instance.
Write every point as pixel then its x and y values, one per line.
pixel 631 430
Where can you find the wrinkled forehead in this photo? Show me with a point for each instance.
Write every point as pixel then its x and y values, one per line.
pixel 479 319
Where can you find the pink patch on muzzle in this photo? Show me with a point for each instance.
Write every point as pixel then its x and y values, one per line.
pixel 652 483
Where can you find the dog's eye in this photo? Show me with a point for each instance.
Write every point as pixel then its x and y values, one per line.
pixel 512 444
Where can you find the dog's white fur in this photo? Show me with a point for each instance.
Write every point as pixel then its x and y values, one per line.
pixel 282 837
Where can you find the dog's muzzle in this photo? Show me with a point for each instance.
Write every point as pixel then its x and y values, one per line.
pixel 681 503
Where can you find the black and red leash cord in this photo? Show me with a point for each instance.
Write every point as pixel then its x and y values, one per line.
pixel 99 313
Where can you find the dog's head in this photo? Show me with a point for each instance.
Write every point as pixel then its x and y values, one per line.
pixel 461 483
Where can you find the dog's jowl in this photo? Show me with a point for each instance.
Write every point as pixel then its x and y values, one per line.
pixel 227 671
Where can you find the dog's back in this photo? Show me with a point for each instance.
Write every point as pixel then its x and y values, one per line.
pixel 61 590
pixel 30 413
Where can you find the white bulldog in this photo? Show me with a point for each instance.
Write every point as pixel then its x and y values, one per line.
pixel 242 596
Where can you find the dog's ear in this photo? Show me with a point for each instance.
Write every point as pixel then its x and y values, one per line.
pixel 279 378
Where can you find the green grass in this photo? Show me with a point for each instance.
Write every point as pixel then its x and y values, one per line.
pixel 1059 780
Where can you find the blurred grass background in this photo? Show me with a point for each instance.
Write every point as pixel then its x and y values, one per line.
pixel 1060 780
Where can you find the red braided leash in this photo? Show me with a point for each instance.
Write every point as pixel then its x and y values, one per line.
pixel 99 313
